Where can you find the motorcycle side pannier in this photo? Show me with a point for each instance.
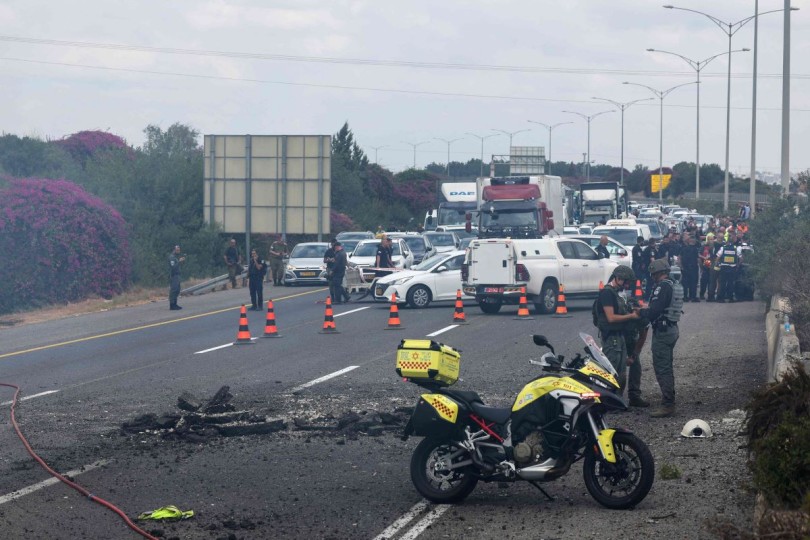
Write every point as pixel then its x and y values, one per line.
pixel 426 360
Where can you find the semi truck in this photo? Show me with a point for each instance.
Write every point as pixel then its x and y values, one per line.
pixel 519 206
pixel 601 201
pixel 460 199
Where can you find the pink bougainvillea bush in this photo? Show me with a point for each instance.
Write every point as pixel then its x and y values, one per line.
pixel 340 222
pixel 84 144
pixel 59 244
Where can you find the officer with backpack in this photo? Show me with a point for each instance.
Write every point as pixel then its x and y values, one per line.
pixel 614 318
pixel 664 312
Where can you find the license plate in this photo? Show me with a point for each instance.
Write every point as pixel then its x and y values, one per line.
pixel 493 289
pixel 307 274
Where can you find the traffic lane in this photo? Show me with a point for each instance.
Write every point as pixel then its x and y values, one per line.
pixel 127 347
pixel 15 339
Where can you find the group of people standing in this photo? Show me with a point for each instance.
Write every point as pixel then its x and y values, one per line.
pixel 708 265
pixel 257 270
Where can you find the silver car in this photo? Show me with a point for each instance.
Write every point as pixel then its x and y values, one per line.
pixel 306 264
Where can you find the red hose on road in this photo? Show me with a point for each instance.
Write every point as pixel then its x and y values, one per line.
pixel 71 483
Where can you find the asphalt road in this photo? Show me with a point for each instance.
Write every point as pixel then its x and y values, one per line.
pixel 87 375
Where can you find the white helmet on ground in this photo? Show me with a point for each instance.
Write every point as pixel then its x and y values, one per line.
pixel 696 428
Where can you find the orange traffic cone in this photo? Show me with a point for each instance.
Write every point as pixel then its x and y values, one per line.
pixel 562 311
pixel 328 319
pixel 270 329
pixel 243 335
pixel 638 295
pixel 458 316
pixel 523 308
pixel 601 285
pixel 393 315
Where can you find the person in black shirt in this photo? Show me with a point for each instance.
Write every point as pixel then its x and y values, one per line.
pixel 601 249
pixel 690 269
pixel 639 268
pixel 329 260
pixel 338 273
pixel 648 255
pixel 384 258
pixel 256 271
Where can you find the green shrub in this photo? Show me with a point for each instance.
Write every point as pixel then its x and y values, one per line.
pixel 778 430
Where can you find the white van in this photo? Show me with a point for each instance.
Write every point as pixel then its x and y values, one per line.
pixel 624 234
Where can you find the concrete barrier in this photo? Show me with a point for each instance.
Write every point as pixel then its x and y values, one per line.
pixel 783 344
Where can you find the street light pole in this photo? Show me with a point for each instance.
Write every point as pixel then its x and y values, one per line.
pixel 622 107
pixel 698 66
pixel 730 29
pixel 448 142
pixel 588 119
pixel 482 137
pixel 376 148
pixel 415 145
pixel 550 129
pixel 661 94
pixel 511 134
pixel 785 170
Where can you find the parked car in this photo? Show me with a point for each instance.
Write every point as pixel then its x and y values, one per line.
pixel 365 255
pixel 443 241
pixel 420 245
pixel 305 265
pixel 353 235
pixel 349 244
pixel 618 252
pixel 435 279
pixel 624 234
pixel 657 227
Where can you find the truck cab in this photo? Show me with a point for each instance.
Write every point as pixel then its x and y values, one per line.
pixel 513 207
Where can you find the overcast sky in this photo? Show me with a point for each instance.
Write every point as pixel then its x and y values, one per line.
pixel 512 61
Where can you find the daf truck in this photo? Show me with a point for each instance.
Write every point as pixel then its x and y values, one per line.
pixel 460 199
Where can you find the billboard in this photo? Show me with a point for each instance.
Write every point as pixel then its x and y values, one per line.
pixel 529 160
pixel 268 183
pixel 655 181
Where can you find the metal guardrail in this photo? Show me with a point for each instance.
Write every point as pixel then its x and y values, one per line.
pixel 732 197
pixel 210 285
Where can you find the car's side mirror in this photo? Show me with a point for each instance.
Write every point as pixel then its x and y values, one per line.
pixel 441 269
pixel 623 253
pixel 540 340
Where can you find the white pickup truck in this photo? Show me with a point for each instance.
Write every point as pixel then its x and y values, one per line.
pixel 495 270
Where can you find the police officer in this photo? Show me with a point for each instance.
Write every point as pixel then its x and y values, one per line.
pixel 664 312
pixel 613 319
pixel 728 258
pixel 635 337
pixel 174 277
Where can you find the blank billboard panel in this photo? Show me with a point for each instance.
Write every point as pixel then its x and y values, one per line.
pixel 281 183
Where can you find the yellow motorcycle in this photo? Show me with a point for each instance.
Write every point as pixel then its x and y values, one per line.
pixel 556 420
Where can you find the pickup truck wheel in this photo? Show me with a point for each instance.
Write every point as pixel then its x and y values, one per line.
pixel 489 305
pixel 419 297
pixel 548 298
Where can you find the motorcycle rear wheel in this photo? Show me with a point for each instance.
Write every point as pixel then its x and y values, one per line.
pixel 625 483
pixel 432 480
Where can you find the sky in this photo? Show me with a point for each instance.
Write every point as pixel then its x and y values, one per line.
pixel 409 72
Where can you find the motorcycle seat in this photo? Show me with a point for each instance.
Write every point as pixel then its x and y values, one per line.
pixel 467 396
pixel 493 414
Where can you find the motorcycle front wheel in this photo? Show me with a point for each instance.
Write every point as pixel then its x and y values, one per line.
pixel 431 476
pixel 625 483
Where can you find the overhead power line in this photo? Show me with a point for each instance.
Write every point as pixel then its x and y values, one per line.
pixel 377 62
pixel 347 87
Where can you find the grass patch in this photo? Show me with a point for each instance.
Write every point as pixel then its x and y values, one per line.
pixel 669 472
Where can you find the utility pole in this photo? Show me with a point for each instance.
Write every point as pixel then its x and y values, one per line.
pixel 588 119
pixel 415 145
pixel 550 129
pixel 482 137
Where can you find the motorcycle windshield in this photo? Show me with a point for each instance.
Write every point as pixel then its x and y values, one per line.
pixel 597 355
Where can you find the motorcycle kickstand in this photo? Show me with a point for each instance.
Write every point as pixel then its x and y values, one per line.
pixel 543 491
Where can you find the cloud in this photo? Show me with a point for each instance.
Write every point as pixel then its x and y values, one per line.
pixel 217 14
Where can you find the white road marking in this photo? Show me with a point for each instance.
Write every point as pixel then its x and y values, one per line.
pixel 26 398
pixel 443 330
pixel 394 528
pixel 425 522
pixel 352 311
pixel 324 378
pixel 221 347
pixel 49 482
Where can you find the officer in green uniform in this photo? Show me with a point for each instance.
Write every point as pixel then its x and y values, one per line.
pixel 613 318
pixel 174 277
pixel 664 312
pixel 278 250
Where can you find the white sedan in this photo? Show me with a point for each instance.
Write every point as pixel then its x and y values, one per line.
pixel 434 279
pixel 365 255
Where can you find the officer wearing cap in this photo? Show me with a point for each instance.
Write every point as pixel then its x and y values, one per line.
pixel 613 318
pixel 664 312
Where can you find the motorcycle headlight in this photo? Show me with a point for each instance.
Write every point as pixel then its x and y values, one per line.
pixel 401 280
